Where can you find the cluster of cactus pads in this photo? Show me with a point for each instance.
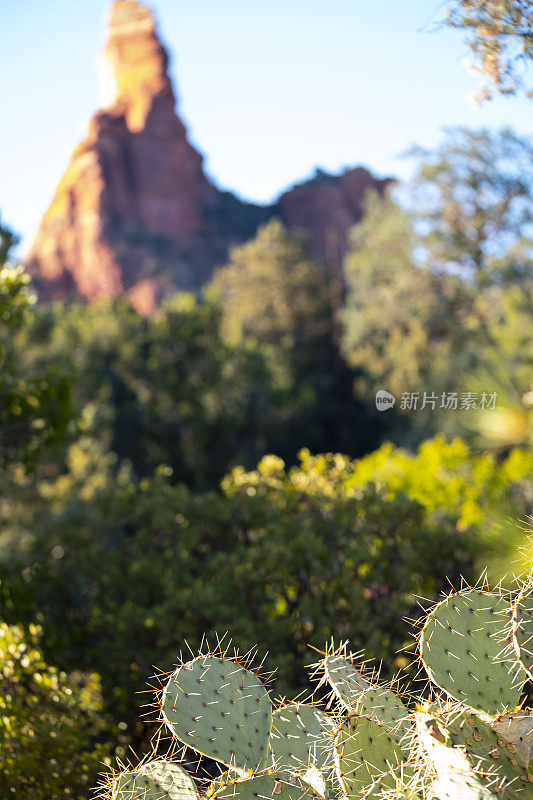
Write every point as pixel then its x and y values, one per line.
pixel 469 739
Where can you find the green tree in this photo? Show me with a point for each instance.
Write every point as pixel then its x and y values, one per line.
pixel 473 204
pixel 439 288
pixel 50 723
pixel 123 571
pixel 34 404
pixel 274 293
pixel 500 35
pixel 160 390
pixel 8 240
pixel 393 326
pixel 275 296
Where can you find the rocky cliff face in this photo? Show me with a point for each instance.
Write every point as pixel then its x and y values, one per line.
pixel 135 213
pixel 327 206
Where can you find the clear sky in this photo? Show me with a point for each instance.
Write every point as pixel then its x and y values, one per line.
pixel 269 89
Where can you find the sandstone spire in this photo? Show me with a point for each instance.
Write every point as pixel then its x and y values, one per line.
pixel 135 213
pixel 138 63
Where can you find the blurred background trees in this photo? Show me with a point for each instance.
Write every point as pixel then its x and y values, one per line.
pixel 34 404
pixel 500 35
pixel 439 279
pixel 139 506
pixel 393 323
pixel 50 722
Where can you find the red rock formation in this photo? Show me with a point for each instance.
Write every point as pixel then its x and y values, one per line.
pixel 132 208
pixel 327 206
pixel 135 213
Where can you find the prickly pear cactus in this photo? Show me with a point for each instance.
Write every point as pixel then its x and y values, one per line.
pixel 301 737
pixel 263 786
pixel 449 775
pixel 371 745
pixel 363 696
pixel 464 785
pixel 456 771
pixel 517 729
pixel 155 780
pixel 523 628
pixel 367 757
pixel 495 760
pixel 337 669
pixel 222 710
pixel 465 647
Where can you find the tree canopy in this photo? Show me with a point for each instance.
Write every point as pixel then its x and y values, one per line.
pixel 500 35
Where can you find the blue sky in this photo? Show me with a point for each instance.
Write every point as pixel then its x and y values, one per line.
pixel 269 90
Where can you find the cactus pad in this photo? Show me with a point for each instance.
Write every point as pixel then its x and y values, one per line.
pixel 517 729
pixel 155 780
pixel 343 677
pixel 453 775
pixel 367 758
pixel 523 628
pixel 462 786
pixel 366 698
pixel 301 736
pixel 220 709
pixel 261 787
pixel 464 646
pixel 491 755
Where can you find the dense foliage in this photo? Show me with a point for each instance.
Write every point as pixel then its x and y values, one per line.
pixel 282 557
pixel 440 289
pixel 500 34
pixel 133 516
pixel 392 326
pixel 172 389
pixel 34 404
pixel 49 723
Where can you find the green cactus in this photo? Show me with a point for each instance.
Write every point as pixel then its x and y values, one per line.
pixel 523 628
pixel 154 780
pixel 221 709
pixel 463 785
pixel 465 649
pixel 491 755
pixel 374 746
pixel 517 729
pixel 301 737
pixel 449 775
pixel 368 760
pixel 301 742
pixel 467 759
pixel 263 786
pixel 362 695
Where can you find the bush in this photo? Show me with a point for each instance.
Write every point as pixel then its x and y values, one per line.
pixel 478 489
pixel 34 403
pixel 120 572
pixel 49 723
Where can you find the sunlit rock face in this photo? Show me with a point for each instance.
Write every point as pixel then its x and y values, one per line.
pixel 136 214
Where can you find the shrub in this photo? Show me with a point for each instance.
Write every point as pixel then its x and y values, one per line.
pixel 49 722
pixel 122 572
